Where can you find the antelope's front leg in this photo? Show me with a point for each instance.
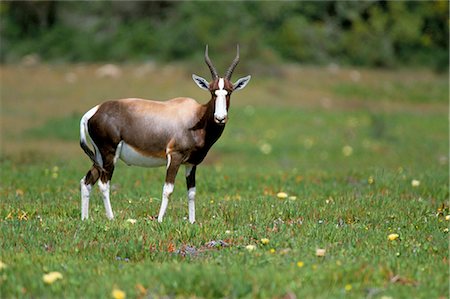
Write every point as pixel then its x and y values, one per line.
pixel 173 164
pixel 190 183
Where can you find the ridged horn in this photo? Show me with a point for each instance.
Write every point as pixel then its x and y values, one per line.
pixel 210 65
pixel 233 64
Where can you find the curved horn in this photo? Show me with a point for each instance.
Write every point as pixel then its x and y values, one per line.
pixel 210 65
pixel 233 64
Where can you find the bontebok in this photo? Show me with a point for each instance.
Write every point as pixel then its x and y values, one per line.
pixel 151 134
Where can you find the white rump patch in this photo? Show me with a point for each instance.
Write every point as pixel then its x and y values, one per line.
pixel 84 131
pixel 132 157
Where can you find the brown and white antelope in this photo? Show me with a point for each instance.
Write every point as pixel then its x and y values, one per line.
pixel 151 134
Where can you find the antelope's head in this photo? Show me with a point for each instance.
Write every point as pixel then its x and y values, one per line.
pixel 221 87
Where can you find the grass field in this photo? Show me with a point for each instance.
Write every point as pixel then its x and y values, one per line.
pixel 361 155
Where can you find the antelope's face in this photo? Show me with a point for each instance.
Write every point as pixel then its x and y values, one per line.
pixel 221 98
pixel 221 88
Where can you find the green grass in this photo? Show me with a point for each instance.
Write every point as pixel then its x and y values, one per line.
pixel 417 92
pixel 346 201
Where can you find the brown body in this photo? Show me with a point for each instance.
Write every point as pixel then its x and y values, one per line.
pixel 151 133
pixel 180 127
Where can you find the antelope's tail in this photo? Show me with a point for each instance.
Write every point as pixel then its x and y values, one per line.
pixel 84 133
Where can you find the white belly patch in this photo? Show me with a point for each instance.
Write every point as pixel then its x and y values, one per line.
pixel 132 157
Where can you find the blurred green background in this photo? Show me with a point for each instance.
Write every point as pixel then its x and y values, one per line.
pixel 363 33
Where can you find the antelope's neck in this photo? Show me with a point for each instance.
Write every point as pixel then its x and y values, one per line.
pixel 208 129
pixel 212 130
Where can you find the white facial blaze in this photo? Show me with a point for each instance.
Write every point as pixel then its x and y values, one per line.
pixel 221 84
pixel 220 112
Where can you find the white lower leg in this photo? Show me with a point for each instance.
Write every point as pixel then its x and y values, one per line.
pixel 104 188
pixel 85 192
pixel 191 201
pixel 167 191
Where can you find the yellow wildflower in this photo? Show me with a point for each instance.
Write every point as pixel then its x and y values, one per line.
pixel 55 172
pixel 347 150
pixel 300 264
pixel 415 183
pixel 265 148
pixel 272 250
pixel 282 195
pixel 447 217
pixel 348 287
pixel 51 277
pixel 393 237
pixel 118 294
pixel 22 215
pixel 265 241
pixel 9 216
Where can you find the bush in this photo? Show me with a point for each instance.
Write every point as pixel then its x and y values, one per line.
pixel 380 33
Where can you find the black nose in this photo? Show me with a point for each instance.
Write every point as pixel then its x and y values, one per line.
pixel 220 120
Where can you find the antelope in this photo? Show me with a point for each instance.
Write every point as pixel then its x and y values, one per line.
pixel 150 133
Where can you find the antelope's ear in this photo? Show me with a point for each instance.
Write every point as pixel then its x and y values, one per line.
pixel 201 82
pixel 241 83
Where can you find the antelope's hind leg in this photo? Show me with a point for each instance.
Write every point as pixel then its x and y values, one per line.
pixel 105 175
pixel 86 184
pixel 104 183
